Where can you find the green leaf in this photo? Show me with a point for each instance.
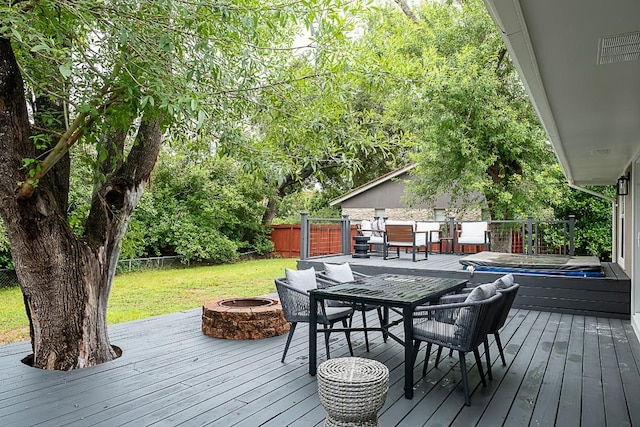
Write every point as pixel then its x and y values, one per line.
pixel 65 69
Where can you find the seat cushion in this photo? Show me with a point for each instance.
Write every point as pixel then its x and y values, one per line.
pixel 432 330
pixel 339 272
pixel 303 280
pixel 376 240
pixel 334 313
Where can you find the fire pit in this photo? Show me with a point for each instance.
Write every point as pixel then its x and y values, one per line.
pixel 243 318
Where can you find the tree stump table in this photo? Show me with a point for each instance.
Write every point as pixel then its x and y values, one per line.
pixel 352 390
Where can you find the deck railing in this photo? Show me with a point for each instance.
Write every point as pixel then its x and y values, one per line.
pixel 331 236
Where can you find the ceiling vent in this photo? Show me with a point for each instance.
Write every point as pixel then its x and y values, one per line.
pixel 620 48
pixel 601 152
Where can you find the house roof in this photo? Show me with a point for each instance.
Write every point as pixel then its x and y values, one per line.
pixel 371 184
pixel 579 61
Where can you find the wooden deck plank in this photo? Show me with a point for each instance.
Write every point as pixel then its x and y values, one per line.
pixel 526 397
pixel 546 405
pixel 500 405
pixel 592 395
pixel 570 403
pixel 627 367
pixel 615 405
pixel 513 341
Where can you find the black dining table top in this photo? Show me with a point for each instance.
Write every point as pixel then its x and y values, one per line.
pixel 396 289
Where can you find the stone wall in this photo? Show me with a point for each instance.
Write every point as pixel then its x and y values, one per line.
pixel 406 214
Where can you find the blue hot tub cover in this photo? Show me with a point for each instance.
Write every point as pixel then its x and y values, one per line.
pixel 534 264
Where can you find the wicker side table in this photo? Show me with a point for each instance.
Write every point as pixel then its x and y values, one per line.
pixel 352 390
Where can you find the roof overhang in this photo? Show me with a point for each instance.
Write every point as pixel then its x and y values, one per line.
pixel 588 103
pixel 371 184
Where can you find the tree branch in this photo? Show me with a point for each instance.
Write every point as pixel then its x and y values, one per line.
pixel 407 11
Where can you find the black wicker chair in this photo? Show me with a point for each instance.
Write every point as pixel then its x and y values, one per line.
pixel 296 306
pixel 509 293
pixel 461 327
pixel 363 308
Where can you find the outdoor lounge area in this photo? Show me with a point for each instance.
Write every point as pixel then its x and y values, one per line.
pixel 561 369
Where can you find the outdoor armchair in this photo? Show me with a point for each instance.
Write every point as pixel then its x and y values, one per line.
pixel 474 233
pixel 508 289
pixel 403 234
pixel 434 234
pixel 296 307
pixel 460 326
pixel 373 230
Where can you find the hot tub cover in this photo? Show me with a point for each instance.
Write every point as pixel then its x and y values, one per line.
pixel 553 264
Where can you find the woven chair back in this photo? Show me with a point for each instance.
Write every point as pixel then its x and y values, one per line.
pixel 509 295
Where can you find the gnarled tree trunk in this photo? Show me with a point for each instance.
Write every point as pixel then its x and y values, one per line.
pixel 65 279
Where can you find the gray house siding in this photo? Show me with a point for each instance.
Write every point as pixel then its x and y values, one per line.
pixel 390 195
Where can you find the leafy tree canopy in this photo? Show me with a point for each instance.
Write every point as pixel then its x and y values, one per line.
pixel 477 136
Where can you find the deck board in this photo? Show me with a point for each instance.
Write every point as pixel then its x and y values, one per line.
pixel 562 369
pixel 592 396
pixel 546 407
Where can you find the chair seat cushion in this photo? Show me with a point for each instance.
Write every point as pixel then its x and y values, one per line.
pixel 334 313
pixel 477 240
pixel 432 330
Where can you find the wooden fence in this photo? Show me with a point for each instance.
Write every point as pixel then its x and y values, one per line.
pixel 324 239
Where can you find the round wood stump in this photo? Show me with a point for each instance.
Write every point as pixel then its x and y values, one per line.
pixel 243 318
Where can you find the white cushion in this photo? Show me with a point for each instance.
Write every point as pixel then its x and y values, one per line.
pixel 303 280
pixel 431 228
pixel 506 281
pixel 365 228
pixel 378 227
pixel 472 232
pixel 376 240
pixel 339 272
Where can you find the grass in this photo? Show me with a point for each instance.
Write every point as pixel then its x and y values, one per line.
pixel 150 293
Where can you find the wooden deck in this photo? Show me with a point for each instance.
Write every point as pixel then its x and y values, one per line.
pixel 608 296
pixel 564 370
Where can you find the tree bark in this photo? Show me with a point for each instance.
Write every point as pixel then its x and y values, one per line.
pixel 407 11
pixel 65 280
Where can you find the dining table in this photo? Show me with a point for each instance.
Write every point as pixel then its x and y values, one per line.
pixel 400 293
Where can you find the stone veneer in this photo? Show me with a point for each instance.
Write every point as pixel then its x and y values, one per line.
pixel 243 318
pixel 409 214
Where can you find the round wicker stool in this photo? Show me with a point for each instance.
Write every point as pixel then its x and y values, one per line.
pixel 352 390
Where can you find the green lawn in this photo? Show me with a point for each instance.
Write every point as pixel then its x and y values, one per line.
pixel 150 293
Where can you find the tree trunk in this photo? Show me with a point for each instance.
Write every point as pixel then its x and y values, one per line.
pixel 65 280
pixel 270 213
pixel 501 237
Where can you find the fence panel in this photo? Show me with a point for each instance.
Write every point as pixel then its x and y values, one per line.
pixel 325 239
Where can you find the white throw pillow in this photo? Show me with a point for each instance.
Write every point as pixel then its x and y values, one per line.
pixel 304 280
pixel 365 228
pixel 339 272
pixel 506 281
